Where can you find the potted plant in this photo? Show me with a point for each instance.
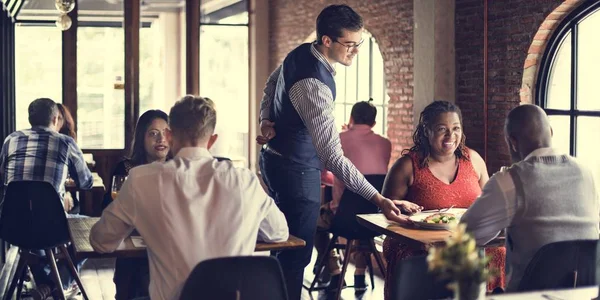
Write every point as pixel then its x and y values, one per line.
pixel 462 263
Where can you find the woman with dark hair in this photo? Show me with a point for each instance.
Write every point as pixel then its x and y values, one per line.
pixel 149 145
pixel 439 171
pixel 66 123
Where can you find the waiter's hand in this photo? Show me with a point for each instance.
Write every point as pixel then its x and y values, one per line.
pixel 407 206
pixel 267 129
pixel 391 211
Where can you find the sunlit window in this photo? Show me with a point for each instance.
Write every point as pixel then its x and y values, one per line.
pixel 224 74
pixel 38 67
pixel 570 95
pixel 100 94
pixel 364 79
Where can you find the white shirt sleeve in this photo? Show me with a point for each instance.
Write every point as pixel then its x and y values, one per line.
pixel 493 210
pixel 116 223
pixel 273 225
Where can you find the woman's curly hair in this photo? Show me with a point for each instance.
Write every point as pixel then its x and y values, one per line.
pixel 426 121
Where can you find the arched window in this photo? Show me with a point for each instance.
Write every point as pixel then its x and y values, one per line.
pixel 568 86
pixel 364 79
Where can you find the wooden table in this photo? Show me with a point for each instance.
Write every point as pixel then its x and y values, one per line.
pixel 90 200
pixel 410 234
pixel 80 236
pixel 577 293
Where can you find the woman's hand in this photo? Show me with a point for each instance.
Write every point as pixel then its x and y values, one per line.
pixel 407 206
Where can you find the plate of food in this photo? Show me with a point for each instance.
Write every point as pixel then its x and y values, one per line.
pixel 442 219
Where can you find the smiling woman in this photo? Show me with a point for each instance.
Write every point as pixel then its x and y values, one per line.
pixel 438 172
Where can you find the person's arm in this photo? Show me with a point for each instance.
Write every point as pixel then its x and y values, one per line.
pixel 117 221
pixel 313 101
pixel 480 167
pixel 273 225
pixel 267 128
pixel 269 94
pixel 78 168
pixel 494 210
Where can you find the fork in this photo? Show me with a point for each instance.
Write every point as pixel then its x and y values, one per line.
pixel 439 210
pixel 446 209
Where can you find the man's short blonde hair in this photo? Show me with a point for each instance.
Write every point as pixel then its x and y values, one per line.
pixel 193 118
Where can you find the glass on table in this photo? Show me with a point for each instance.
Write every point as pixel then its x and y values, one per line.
pixel 117 182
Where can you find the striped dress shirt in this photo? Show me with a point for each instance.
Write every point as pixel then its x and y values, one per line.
pixel 40 154
pixel 313 101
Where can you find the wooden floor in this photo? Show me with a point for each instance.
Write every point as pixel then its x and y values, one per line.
pixel 97 275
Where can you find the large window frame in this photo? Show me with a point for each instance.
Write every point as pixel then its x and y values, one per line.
pixel 568 26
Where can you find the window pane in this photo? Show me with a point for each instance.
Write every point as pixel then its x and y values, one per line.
pixel 224 79
pixel 587 141
pixel 559 85
pixel 100 75
pixel 152 70
pixel 38 68
pixel 339 115
pixel 560 128
pixel 378 75
pixel 363 68
pixel 224 12
pixel 588 61
pixel 340 85
pixel 351 83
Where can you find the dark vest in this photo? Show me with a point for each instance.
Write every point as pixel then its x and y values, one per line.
pixel 293 140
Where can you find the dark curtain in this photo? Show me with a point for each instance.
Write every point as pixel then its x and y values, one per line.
pixel 7 73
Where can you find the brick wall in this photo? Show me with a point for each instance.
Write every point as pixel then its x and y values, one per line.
pixel 512 26
pixel 517 30
pixel 389 21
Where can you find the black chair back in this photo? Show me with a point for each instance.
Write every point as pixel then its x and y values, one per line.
pixel 33 216
pixel 236 278
pixel 412 281
pixel 344 223
pixel 564 264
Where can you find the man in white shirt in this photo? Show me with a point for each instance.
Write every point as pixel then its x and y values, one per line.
pixel 191 208
pixel 544 197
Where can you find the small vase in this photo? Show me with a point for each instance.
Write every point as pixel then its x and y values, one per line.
pixel 469 290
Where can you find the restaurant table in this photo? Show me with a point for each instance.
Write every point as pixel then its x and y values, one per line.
pixel 582 293
pixel 410 234
pixel 90 200
pixel 80 236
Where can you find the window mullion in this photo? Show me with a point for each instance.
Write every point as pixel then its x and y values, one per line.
pixel 573 116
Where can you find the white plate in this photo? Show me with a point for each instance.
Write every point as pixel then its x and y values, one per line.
pixel 418 218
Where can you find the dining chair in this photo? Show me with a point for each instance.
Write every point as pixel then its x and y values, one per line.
pixel 344 224
pixel 412 281
pixel 236 278
pixel 33 218
pixel 565 264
